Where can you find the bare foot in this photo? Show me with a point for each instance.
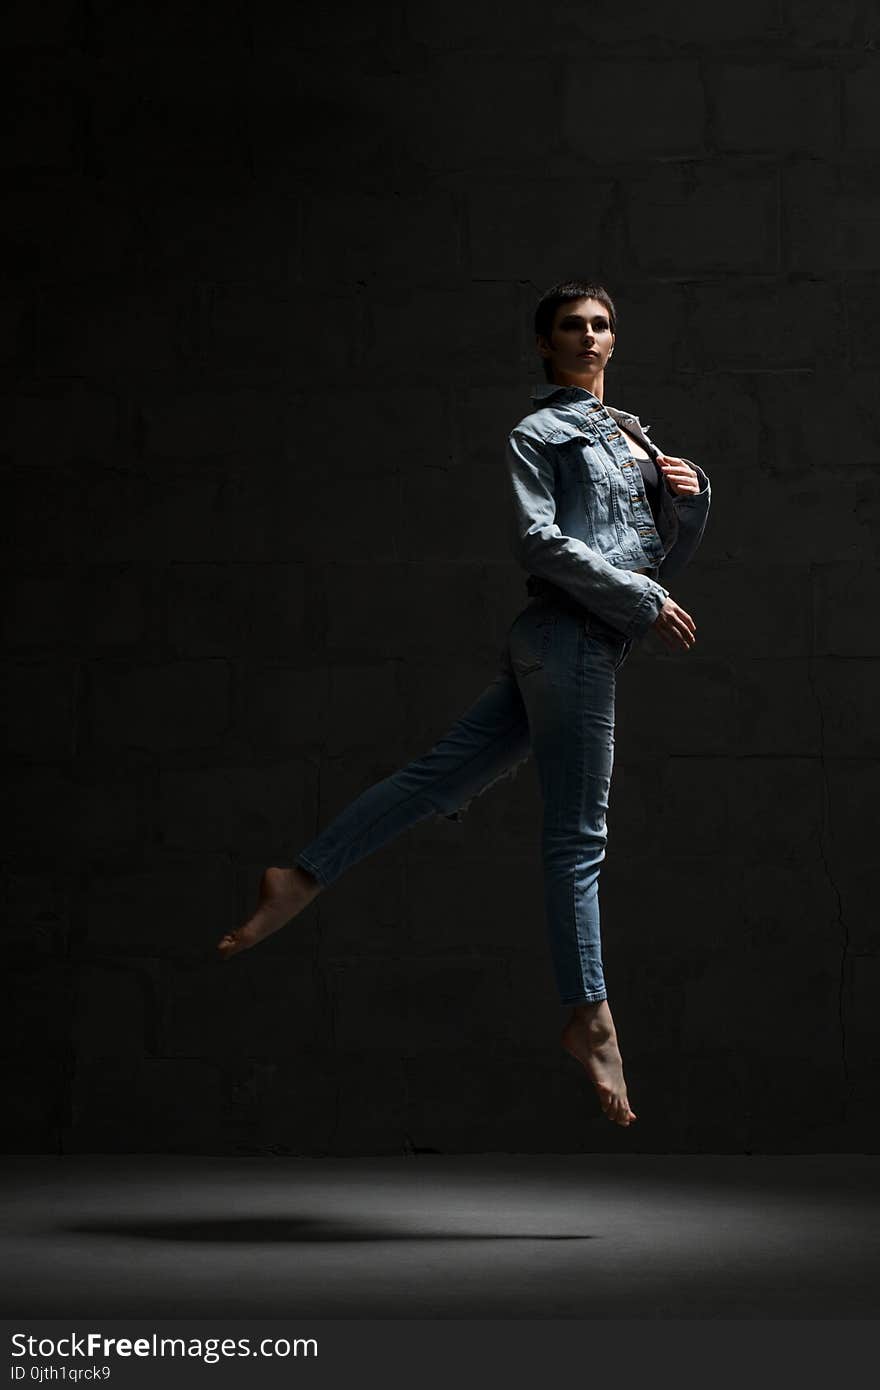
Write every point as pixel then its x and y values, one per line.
pixel 283 894
pixel 590 1037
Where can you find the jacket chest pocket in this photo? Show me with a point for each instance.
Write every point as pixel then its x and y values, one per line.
pixel 581 455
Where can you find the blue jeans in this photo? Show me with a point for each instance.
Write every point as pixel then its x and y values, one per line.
pixel 552 695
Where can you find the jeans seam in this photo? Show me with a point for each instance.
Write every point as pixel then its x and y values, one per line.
pixel 582 657
pixel 377 820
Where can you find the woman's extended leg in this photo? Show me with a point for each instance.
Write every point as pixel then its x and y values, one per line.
pixel 489 740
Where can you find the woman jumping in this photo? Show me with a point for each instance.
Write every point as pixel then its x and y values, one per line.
pixel 600 518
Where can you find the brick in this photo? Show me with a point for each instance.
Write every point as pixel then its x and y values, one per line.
pixel 691 708
pixel 774 809
pixel 79 811
pixel 198 423
pixel 697 791
pixel 167 27
pixel 174 905
pixel 365 915
pixel 199 128
pixel 460 515
pixel 788 906
pixel 767 326
pixel 748 522
pixel 216 610
pixel 798 423
pixel 525 233
pixel 108 330
pixel 420 607
pixel 861 108
pixel 178 705
pixel 468 330
pixel 850 24
pixel 762 613
pixel 777 711
pixel 488 116
pixel 372 1101
pixel 519 1102
pixel 843 592
pixel 642 22
pixel 69 228
pixel 234 234
pixel 862 310
pixel 37 923
pixel 40 710
pixel 863 1034
pixel 49 25
pixel 774 107
pixel 81 516
pixel 58 424
pixel 265 810
pixel 298 123
pixel 686 219
pixel 830 217
pixel 265 1007
pixel 848 691
pixel 279 33
pixel 35 1096
pixel 421 428
pixel 411 237
pixel 664 109
pixel 117 1010
pixel 288 1106
pixel 36 1012
pixel 490 917
pixel 41 132
pixel 147 1105
pixel 283 708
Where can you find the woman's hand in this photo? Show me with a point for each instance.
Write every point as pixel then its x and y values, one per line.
pixel 675 626
pixel 678 474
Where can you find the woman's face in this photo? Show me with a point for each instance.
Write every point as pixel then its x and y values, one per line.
pixel 580 343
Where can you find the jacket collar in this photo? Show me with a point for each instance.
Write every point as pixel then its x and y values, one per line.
pixel 546 389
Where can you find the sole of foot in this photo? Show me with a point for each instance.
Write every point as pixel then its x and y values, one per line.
pixel 599 1056
pixel 283 895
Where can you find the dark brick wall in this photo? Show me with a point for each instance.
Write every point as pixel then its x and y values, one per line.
pixel 267 285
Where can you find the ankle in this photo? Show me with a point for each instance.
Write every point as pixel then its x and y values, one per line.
pixel 304 879
pixel 596 1018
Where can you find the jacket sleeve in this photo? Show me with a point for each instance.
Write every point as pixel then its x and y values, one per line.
pixel 624 598
pixel 692 511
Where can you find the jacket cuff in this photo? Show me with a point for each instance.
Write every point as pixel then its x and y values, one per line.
pixel 647 610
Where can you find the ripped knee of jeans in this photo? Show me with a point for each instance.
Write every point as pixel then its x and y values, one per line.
pixel 459 813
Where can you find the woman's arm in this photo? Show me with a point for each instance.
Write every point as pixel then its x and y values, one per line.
pixel 692 510
pixel 624 598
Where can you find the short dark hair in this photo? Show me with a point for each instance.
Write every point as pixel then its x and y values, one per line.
pixel 551 299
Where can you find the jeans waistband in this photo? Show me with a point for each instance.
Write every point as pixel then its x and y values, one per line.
pixel 596 626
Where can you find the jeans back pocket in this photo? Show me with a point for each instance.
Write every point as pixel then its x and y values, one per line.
pixel 530 638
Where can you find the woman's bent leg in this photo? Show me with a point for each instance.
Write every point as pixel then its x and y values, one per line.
pixel 485 743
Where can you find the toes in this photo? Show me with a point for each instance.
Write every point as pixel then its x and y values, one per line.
pixel 229 944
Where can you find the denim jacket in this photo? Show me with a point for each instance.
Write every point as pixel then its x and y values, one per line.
pixel 581 517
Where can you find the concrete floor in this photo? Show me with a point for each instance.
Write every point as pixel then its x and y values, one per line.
pixel 573 1236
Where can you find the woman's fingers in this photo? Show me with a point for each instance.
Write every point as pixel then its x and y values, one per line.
pixel 676 626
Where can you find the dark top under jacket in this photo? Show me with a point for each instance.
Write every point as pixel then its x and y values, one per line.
pixel 652 484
